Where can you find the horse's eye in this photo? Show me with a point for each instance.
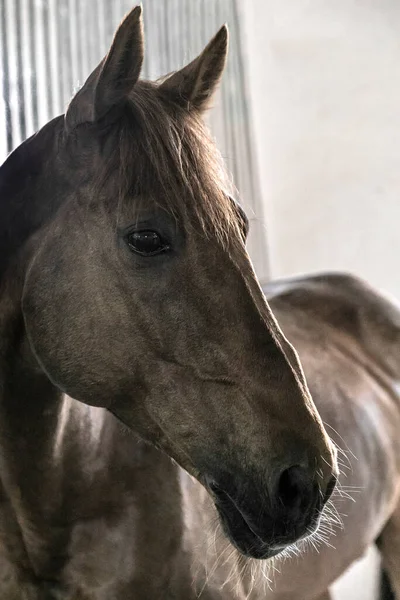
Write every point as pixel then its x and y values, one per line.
pixel 146 243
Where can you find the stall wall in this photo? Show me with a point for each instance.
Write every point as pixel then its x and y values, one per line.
pixel 325 89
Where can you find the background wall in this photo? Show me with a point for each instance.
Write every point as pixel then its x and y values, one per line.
pixel 325 87
pixel 324 81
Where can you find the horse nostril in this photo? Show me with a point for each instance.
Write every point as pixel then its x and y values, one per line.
pixel 293 485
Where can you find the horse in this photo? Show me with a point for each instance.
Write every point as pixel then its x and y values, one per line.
pixel 143 374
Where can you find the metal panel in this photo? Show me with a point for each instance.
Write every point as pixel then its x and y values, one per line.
pixel 48 48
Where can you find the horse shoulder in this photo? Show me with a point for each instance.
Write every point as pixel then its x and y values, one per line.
pixel 338 304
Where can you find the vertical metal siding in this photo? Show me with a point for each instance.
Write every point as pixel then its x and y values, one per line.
pixel 49 47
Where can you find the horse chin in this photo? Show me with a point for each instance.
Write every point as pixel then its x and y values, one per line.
pixel 257 545
pixel 243 538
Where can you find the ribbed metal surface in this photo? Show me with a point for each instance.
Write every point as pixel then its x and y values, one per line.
pixel 48 48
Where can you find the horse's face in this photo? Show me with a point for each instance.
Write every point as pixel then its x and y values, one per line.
pixel 141 298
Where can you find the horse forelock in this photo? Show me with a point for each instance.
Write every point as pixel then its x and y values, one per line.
pixel 154 151
pixel 164 153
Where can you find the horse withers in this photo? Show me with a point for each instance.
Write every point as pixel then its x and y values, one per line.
pixel 128 302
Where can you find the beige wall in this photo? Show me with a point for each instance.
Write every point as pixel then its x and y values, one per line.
pixel 324 79
pixel 325 87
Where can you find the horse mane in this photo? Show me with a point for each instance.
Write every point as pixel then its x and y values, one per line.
pixel 23 208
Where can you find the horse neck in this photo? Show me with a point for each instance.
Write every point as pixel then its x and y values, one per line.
pixel 33 413
pixel 62 463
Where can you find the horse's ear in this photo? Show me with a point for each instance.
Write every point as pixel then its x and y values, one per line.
pixel 113 79
pixel 195 84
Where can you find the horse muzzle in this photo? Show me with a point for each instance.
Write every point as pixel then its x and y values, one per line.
pixel 260 525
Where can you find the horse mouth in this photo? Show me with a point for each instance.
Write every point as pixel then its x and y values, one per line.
pixel 243 537
pixel 238 528
pixel 246 536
